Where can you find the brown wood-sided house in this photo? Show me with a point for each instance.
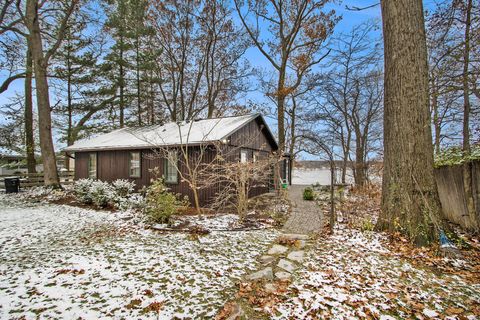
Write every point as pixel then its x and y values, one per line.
pixel 132 153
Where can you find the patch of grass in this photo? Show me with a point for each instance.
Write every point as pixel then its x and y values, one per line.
pixel 134 304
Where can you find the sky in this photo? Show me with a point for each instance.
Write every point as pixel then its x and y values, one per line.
pixel 349 20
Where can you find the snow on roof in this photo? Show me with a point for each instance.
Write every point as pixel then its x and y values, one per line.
pixel 186 132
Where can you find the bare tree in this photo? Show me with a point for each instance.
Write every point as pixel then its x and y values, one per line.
pixel 201 60
pixel 41 60
pixel 352 92
pixel 239 178
pixel 29 22
pixel 291 36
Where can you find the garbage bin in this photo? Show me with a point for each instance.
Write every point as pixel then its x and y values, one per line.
pixel 12 184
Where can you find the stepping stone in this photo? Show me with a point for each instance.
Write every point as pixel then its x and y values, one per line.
pixel 266 273
pixel 266 259
pixel 282 275
pixel 236 313
pixel 270 287
pixel 294 236
pixel 286 265
pixel 300 244
pixel 277 249
pixel 296 256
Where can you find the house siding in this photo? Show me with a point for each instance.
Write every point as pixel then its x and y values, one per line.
pixel 112 165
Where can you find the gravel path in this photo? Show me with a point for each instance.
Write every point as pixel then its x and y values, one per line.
pixel 306 216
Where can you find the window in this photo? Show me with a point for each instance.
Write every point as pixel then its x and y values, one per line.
pixel 92 166
pixel 134 168
pixel 170 168
pixel 243 156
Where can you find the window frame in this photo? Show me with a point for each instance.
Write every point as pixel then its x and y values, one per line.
pixel 243 152
pixel 89 165
pixel 130 158
pixel 166 165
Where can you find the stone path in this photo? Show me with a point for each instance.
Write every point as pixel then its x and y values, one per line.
pixel 306 216
pixel 282 259
pixel 285 257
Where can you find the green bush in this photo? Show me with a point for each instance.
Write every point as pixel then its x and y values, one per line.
pixel 308 194
pixel 162 204
pixel 367 225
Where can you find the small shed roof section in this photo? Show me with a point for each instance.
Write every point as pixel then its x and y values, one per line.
pixel 186 132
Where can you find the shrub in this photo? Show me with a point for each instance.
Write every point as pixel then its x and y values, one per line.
pixel 123 188
pixel 367 225
pixel 118 194
pixel 102 193
pixel 162 204
pixel 81 189
pixel 308 194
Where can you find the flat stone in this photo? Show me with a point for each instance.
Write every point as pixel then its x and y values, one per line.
pixel 286 265
pixel 270 287
pixel 266 259
pixel 296 256
pixel 282 275
pixel 277 249
pixel 300 244
pixel 266 273
pixel 295 236
pixel 236 312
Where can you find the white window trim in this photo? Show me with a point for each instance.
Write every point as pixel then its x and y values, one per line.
pixel 130 158
pixel 243 155
pixel 89 169
pixel 171 154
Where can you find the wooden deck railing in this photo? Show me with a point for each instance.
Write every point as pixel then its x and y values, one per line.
pixel 37 179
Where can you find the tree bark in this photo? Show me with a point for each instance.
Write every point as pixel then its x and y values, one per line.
pixel 42 95
pixel 360 174
pixel 410 202
pixel 121 83
pixel 29 136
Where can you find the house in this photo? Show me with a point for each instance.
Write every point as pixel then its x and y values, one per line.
pixel 130 153
pixel 13 163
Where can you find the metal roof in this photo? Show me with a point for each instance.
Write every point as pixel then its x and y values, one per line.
pixel 186 132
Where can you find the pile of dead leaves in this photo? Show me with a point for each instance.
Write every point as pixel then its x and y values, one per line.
pixel 466 265
pixel 256 296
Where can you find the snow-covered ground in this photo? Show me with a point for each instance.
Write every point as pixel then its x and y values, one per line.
pixel 303 176
pixel 64 262
pixel 353 275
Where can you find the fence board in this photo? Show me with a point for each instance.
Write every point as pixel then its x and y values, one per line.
pixel 452 194
pixel 37 179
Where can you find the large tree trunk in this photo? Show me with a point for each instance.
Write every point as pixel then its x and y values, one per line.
pixel 410 202
pixel 121 83
pixel 43 99
pixel 467 170
pixel 29 136
pixel 70 140
pixel 281 109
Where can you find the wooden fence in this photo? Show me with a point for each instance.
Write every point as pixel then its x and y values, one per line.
pixel 37 179
pixel 452 195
